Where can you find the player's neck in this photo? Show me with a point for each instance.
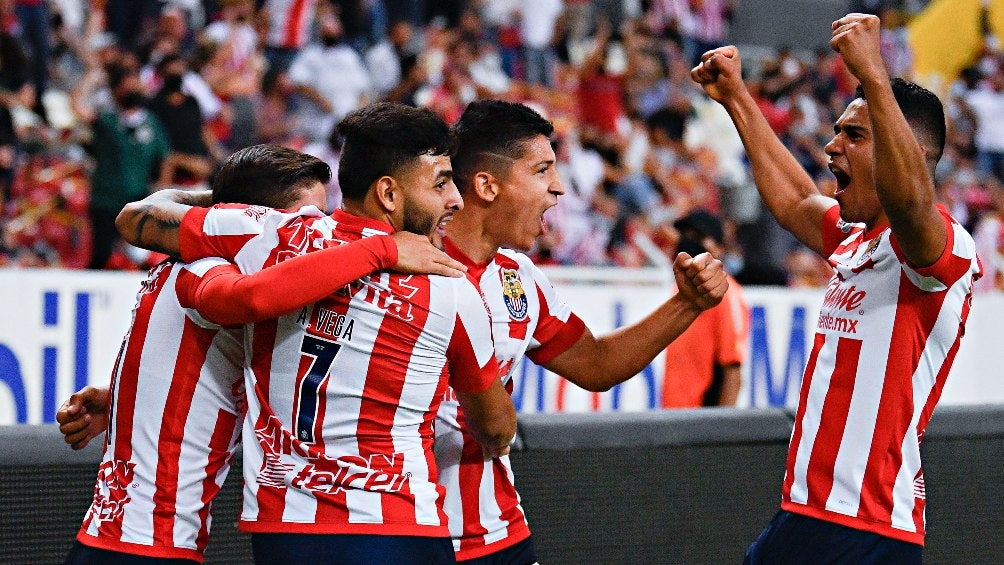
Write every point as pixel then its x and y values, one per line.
pixel 467 232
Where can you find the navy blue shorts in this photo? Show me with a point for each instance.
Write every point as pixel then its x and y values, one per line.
pixel 520 554
pixel 85 555
pixel 350 549
pixel 793 538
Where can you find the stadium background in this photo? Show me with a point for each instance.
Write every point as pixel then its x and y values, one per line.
pixel 688 486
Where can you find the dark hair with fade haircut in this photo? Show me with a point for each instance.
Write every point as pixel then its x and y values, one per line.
pixel 381 138
pixel 489 129
pixel 923 111
pixel 268 175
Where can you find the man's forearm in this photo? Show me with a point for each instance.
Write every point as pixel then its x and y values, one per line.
pixel 154 222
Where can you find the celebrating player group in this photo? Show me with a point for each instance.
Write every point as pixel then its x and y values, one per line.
pixel 364 359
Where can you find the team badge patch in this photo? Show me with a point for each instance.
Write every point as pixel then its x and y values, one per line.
pixel 870 250
pixel 513 294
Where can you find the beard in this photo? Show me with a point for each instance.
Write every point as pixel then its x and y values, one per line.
pixel 421 222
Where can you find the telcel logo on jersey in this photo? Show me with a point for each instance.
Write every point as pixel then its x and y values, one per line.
pixel 114 478
pixel 513 294
pixel 377 472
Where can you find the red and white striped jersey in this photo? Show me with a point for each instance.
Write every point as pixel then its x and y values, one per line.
pixel 289 22
pixel 528 319
pixel 176 403
pixel 885 340
pixel 342 395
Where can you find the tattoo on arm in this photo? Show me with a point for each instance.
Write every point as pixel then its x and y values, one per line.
pixel 162 232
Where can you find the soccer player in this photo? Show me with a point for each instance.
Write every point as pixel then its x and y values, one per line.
pixel 505 167
pixel 339 428
pixel 892 318
pixel 175 406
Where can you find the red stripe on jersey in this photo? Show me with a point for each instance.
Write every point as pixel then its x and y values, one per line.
pixel 219 446
pixel 271 500
pixel 910 332
pixel 385 380
pixel 291 37
pixel 836 405
pixel 472 465
pixel 508 500
pixel 195 342
pixel 124 406
pixel 932 401
pixel 803 400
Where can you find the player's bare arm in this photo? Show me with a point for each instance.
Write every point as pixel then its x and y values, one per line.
pixel 597 364
pixel 491 416
pixel 902 168
pixel 84 416
pixel 786 189
pixel 154 222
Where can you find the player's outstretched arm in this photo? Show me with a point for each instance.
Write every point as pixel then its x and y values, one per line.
pixel 597 364
pixel 84 416
pixel 154 222
pixel 227 297
pixel 902 164
pixel 491 417
pixel 785 187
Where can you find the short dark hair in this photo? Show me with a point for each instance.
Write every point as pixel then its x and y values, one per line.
pixel 672 122
pixel 381 138
pixel 922 110
pixel 494 127
pixel 268 175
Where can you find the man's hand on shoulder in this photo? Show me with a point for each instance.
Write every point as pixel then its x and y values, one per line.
pixel 416 254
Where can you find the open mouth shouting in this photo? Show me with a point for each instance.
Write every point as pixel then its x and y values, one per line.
pixel 843 179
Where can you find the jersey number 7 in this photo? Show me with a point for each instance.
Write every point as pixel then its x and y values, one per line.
pixel 320 353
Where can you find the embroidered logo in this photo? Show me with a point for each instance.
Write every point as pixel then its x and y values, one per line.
pixel 513 294
pixel 870 250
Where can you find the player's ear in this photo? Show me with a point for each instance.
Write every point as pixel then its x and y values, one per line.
pixel 388 193
pixel 486 186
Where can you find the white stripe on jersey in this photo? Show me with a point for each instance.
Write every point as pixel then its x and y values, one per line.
pixel 154 382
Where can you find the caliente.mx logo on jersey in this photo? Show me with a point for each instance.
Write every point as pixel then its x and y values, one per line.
pixel 513 294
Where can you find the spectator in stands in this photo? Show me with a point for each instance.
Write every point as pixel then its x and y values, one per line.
pixel 128 145
pixel 537 19
pixel 190 161
pixel 287 30
pixel 703 365
pixel 987 104
pixel 331 76
pixel 15 90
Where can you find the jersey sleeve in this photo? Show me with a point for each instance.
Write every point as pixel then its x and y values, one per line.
pixel 470 355
pixel 958 258
pixel 228 297
pixel 223 230
pixel 834 230
pixel 558 328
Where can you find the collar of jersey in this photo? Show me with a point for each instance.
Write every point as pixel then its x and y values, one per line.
pixel 474 269
pixel 360 223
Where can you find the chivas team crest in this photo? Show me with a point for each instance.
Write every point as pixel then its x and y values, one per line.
pixel 870 250
pixel 513 294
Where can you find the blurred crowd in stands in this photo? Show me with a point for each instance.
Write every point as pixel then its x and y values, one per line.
pixel 103 101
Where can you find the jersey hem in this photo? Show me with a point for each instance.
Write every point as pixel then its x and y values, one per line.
pixel 255 527
pixel 508 541
pixel 159 551
pixel 854 522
